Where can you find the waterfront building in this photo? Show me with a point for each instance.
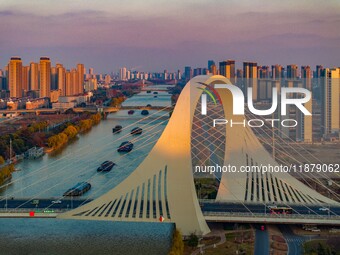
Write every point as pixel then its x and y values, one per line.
pixel 15 77
pixel 45 76
pixel 80 79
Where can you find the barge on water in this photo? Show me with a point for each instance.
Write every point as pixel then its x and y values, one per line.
pixel 78 190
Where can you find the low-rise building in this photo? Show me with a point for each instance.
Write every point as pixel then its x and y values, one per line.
pixel 54 95
pixel 34 152
pixel 37 103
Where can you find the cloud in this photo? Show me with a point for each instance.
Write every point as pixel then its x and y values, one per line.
pixel 174 35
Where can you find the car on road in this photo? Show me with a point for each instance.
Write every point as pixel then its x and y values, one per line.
pixel 324 209
pixel 315 230
pixel 272 206
pixel 56 202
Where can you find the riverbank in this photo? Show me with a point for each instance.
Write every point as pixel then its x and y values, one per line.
pixel 71 131
pixel 6 173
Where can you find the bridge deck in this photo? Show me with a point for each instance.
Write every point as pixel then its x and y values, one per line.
pixel 269 218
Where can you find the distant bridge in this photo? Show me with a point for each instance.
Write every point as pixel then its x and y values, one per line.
pixel 109 109
pixel 155 89
pixel 105 109
pixel 36 111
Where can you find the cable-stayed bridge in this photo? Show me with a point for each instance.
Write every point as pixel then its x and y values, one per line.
pixel 162 186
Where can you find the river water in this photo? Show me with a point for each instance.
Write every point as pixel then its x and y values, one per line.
pixel 53 174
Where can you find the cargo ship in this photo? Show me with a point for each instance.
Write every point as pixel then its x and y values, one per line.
pixel 136 131
pixel 117 129
pixel 125 147
pixel 145 112
pixel 78 190
pixel 106 166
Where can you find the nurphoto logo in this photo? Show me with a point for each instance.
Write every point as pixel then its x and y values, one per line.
pixel 302 96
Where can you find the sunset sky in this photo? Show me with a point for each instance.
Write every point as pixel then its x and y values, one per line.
pixel 153 35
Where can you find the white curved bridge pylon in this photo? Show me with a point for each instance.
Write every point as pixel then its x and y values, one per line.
pixel 163 184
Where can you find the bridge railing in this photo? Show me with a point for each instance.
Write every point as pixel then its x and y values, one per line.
pixel 271 216
pixel 213 201
pixel 27 210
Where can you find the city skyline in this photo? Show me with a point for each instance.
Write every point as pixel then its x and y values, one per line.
pixel 158 35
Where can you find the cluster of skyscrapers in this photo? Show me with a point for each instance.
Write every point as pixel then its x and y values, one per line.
pixel 41 79
pixel 323 82
pixel 126 75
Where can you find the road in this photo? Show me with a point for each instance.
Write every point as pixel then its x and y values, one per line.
pixel 294 242
pixel 261 242
pixel 260 208
pixel 66 203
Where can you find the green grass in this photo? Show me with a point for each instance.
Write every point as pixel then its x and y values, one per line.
pixel 319 247
pixel 230 236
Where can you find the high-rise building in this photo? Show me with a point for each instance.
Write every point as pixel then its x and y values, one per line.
pixel 107 79
pixel 198 71
pixel 250 78
pixel 61 82
pixel 54 76
pixel 80 79
pixel 188 73
pixel 292 72
pixel 304 129
pixel 306 75
pixel 122 74
pixel 179 75
pixel 213 69
pixel 210 64
pixel 68 84
pixel 91 71
pixel 249 70
pixel 277 72
pixel 306 72
pixel 239 73
pixel 90 85
pixel 15 77
pixel 3 81
pixel 45 76
pixel 74 81
pixel 25 79
pixel 34 76
pixel 263 72
pixel 330 100
pixel 319 69
pixel 227 69
pixel 165 75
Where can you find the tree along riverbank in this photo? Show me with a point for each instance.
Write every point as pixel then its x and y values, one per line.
pixel 41 134
pixel 5 171
pixel 70 131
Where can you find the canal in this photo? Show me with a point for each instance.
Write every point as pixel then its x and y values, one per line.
pixel 53 174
